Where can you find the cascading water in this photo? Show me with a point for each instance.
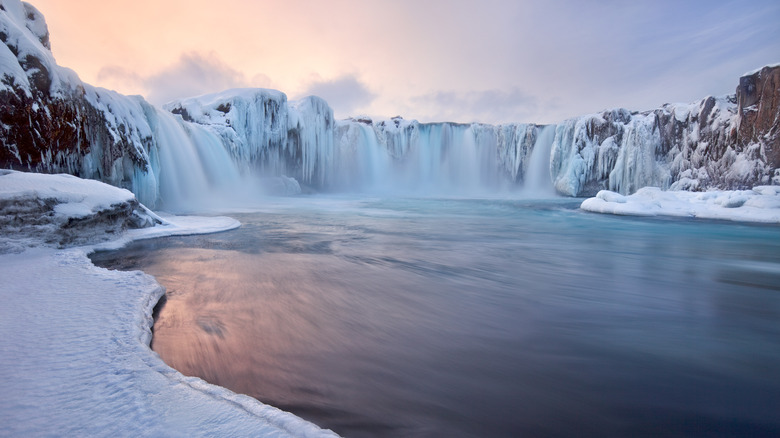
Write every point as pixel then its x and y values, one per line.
pixel 409 158
pixel 445 159
pixel 538 182
pixel 212 150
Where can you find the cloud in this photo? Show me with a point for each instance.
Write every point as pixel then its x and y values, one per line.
pixel 116 77
pixel 488 106
pixel 192 74
pixel 346 94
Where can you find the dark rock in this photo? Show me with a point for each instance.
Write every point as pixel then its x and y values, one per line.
pixel 758 100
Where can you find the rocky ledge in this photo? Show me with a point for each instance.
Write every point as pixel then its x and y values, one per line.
pixel 63 210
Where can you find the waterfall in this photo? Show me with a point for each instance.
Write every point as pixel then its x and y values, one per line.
pixel 232 146
pixel 538 182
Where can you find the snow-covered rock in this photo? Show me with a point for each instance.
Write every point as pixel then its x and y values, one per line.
pixel 63 210
pixel 728 142
pixel 761 204
pixel 52 122
pixel 688 146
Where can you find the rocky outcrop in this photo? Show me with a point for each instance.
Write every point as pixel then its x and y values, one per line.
pixel 728 142
pixel 51 122
pixel 758 106
pixel 62 210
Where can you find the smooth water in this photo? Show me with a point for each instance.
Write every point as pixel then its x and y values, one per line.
pixel 479 318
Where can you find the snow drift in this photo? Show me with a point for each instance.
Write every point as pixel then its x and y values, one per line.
pixel 761 204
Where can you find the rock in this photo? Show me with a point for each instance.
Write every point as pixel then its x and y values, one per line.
pixel 758 100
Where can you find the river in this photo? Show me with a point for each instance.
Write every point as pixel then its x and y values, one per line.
pixel 418 317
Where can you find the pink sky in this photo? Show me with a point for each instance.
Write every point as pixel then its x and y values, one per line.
pixel 488 61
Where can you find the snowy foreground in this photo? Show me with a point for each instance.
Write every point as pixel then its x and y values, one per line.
pixel 762 204
pixel 74 338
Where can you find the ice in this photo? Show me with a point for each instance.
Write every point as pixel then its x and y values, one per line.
pixel 636 165
pixel 310 135
pixel 682 146
pixel 75 338
pixel 762 204
pixel 251 121
pixel 359 154
pixel 752 72
pixel 66 189
pixel 537 181
pixel 243 143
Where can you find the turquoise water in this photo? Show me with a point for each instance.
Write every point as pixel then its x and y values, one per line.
pixel 433 317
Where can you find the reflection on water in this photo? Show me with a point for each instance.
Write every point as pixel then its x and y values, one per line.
pixel 479 318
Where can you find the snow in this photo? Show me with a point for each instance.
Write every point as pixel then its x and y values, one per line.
pixel 24 27
pixel 250 121
pixel 762 204
pixel 676 146
pixel 75 338
pixel 752 72
pixel 76 197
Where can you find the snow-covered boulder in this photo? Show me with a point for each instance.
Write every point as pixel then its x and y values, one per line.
pixel 63 210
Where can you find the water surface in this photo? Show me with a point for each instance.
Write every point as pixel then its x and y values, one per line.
pixel 484 318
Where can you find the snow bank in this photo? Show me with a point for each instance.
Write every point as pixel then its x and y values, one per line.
pixel 62 210
pixel 75 338
pixel 762 204
pixel 85 196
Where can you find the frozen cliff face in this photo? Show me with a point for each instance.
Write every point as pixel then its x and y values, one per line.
pixel 758 107
pixel 52 122
pixel 266 134
pixel 310 141
pixel 359 154
pixel 49 120
pixel 251 122
pixel 713 143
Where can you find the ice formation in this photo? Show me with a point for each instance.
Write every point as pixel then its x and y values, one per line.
pixel 247 142
pixel 761 204
pixel 679 146
pixel 302 140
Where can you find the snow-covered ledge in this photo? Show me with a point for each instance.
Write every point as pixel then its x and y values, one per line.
pixel 74 338
pixel 762 204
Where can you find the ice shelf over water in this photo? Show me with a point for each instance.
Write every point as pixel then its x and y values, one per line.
pixel 75 338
